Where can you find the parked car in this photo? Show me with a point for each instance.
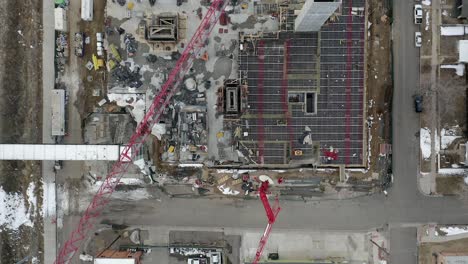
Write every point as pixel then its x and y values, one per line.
pixel 418 14
pixel 418 101
pixel 417 39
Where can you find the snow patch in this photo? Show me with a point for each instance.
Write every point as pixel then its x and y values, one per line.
pixel 451 230
pixel 13 212
pixel 459 68
pixel 136 101
pixel 428 16
pixel 452 171
pixel 227 190
pixel 190 165
pixel 158 130
pixel 426 2
pixel 425 142
pixel 48 205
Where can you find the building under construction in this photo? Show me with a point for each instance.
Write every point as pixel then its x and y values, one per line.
pixel 305 90
pixel 164 30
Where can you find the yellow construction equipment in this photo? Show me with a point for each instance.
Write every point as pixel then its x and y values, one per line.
pixel 101 63
pixel 115 53
pixel 171 149
pixel 95 62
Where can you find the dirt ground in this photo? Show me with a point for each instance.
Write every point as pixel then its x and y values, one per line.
pixel 21 108
pixel 88 101
pixel 427 250
pixel 449 185
pixel 379 81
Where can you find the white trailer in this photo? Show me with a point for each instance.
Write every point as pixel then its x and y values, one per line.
pixel 58 112
pixel 60 19
pixel 87 10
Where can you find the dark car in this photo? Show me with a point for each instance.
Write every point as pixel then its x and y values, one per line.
pixel 418 100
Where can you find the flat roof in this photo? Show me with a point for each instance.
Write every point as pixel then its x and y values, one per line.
pixel 58 112
pixel 317 63
pixel 463 50
pixel 58 152
pixel 60 19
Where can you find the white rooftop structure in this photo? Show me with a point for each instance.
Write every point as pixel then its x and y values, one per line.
pixel 463 51
pixel 58 112
pixel 87 10
pixel 60 19
pixel 58 152
pixel 314 13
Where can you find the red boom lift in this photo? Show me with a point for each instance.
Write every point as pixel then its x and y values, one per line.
pixel 272 213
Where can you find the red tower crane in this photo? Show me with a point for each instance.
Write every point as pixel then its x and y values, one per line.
pixel 272 213
pixel 153 115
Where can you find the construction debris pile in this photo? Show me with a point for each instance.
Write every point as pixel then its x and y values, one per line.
pixel 61 51
pixel 126 77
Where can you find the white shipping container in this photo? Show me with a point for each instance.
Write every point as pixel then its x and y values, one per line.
pixel 87 10
pixel 60 19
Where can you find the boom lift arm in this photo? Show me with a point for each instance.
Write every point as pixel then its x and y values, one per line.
pixel 272 213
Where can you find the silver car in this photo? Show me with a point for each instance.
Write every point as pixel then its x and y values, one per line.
pixel 417 39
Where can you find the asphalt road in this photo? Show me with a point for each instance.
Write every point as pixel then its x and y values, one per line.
pixel 403 209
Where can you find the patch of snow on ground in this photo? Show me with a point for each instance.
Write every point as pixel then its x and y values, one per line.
pixel 459 68
pixel 426 2
pixel 451 231
pixel 136 101
pixel 158 130
pixel 425 142
pixel 48 204
pixel 452 31
pixel 227 190
pixel 190 165
pixel 452 171
pixel 13 213
pixel 131 181
pixel 428 16
pixel 32 199
pixel 447 137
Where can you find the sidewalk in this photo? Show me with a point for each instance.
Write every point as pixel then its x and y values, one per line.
pixel 48 76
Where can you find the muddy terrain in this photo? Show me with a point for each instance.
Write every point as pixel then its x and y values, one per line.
pixel 20 122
